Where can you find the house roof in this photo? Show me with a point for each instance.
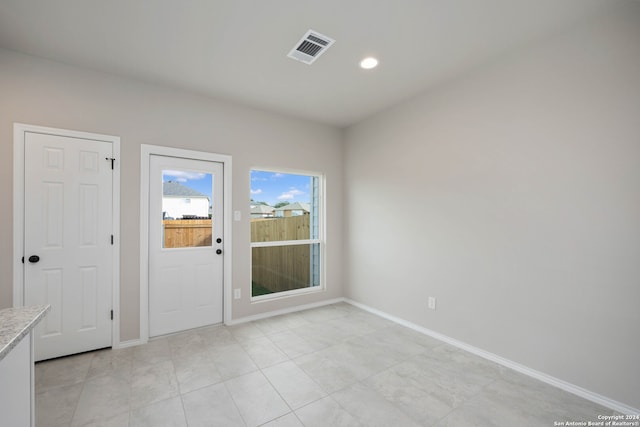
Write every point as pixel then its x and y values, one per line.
pixel 262 209
pixel 297 206
pixel 175 189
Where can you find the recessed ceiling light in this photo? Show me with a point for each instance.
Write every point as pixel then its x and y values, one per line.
pixel 369 63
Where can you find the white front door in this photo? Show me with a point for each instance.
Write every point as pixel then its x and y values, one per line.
pixel 185 246
pixel 68 263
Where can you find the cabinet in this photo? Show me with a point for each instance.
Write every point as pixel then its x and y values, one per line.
pixel 16 385
pixel 17 398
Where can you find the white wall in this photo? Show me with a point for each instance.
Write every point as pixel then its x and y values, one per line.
pixel 512 195
pixel 175 207
pixel 46 93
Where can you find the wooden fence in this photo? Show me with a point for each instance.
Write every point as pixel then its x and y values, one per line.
pixel 274 269
pixel 278 229
pixel 280 268
pixel 186 233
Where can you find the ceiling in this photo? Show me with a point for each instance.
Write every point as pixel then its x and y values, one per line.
pixel 236 50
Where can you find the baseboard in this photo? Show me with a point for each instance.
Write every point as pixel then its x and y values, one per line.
pixel 541 376
pixel 129 343
pixel 132 343
pixel 283 311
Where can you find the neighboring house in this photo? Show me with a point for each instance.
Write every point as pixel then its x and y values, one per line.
pixel 179 201
pixel 294 209
pixel 262 211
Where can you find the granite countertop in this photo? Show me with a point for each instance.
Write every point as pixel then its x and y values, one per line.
pixel 15 324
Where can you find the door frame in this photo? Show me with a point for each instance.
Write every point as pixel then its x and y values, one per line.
pixel 19 131
pixel 146 151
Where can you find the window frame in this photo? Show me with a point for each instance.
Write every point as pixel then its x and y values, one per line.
pixel 320 240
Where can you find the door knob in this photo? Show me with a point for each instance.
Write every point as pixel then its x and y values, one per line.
pixel 218 251
pixel 218 240
pixel 34 258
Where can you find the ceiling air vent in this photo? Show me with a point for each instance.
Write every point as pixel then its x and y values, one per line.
pixel 310 47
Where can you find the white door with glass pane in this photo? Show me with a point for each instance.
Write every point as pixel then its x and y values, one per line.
pixel 185 244
pixel 68 196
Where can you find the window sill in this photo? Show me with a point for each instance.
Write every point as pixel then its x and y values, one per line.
pixel 287 294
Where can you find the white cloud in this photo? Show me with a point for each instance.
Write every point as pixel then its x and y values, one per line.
pixel 258 191
pixel 293 192
pixel 277 175
pixel 183 176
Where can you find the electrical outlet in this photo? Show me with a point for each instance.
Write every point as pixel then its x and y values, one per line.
pixel 432 303
pixel 237 215
pixel 237 293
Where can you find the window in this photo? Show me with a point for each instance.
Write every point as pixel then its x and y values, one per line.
pixel 286 233
pixel 186 203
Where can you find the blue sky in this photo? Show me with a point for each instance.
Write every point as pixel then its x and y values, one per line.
pixel 275 187
pixel 198 181
pixel 270 187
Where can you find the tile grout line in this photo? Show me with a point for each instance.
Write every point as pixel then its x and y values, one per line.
pixel 235 403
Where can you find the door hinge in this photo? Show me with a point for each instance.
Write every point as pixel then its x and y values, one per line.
pixel 112 239
pixel 110 159
pixel 111 314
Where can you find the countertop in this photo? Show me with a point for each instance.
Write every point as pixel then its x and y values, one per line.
pixel 15 324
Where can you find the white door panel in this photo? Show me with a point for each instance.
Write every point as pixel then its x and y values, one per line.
pixel 185 283
pixel 68 225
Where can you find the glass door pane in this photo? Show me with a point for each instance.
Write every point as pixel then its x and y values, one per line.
pixel 186 209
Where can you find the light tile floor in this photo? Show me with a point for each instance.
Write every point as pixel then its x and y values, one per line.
pixel 331 366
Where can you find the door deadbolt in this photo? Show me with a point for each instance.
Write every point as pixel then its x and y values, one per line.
pixel 34 258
